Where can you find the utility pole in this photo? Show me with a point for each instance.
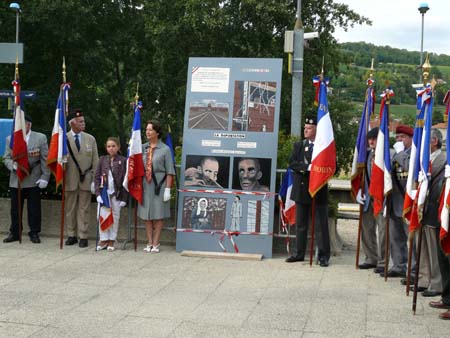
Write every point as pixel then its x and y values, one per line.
pixel 293 45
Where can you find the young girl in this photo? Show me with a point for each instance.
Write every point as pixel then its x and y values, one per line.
pixel 110 172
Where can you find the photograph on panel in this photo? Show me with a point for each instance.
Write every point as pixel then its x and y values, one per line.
pixel 254 106
pixel 204 213
pixel 252 174
pixel 207 171
pixel 208 114
pixel 258 216
pixel 236 214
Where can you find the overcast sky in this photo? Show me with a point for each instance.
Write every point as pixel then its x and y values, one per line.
pixel 398 23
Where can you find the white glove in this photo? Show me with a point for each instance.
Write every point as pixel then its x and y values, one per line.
pixel 99 199
pixel 42 183
pixel 447 171
pixel 309 167
pixel 122 204
pixel 166 195
pixel 385 211
pixel 422 176
pixel 413 194
pixel 360 198
pixel 14 165
pixel 92 188
pixel 399 146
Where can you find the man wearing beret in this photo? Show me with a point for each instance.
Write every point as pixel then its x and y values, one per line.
pixel 373 249
pixel 32 184
pixel 398 231
pixel 300 163
pixel 81 164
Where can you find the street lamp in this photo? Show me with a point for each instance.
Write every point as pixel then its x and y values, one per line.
pixel 16 7
pixel 423 8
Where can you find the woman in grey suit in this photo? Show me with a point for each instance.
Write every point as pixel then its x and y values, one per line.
pixel 158 180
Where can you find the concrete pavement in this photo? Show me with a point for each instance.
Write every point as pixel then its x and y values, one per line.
pixel 47 292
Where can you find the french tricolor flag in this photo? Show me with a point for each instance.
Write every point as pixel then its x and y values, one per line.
pixel 19 150
pixel 287 205
pixel 360 154
pixel 323 162
pixel 445 205
pixel 135 164
pixel 57 152
pixel 106 219
pixel 381 182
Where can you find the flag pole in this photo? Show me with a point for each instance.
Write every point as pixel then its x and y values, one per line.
pixel 19 187
pixel 363 178
pixel 136 99
pixel 63 187
pixel 426 72
pixel 386 241
pixel 313 226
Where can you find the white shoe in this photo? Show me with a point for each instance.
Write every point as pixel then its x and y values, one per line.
pixel 155 248
pixel 99 247
pixel 111 248
pixel 148 248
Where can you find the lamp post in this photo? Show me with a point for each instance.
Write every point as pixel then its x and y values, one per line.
pixel 16 7
pixel 423 8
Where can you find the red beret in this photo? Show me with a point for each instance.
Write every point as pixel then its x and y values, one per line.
pixel 407 130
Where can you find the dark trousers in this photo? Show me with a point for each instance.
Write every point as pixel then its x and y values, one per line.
pixel 321 227
pixel 444 266
pixel 33 196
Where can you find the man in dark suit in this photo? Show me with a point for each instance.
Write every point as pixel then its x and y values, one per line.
pixel 31 186
pixel 300 163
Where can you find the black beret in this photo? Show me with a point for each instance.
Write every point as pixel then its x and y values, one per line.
pixel 373 133
pixel 28 118
pixel 74 113
pixel 311 119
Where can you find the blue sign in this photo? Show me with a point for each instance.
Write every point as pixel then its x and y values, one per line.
pixel 5 130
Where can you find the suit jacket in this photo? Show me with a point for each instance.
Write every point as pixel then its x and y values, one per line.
pixel 119 168
pixel 430 215
pixel 299 162
pixel 87 159
pixel 37 143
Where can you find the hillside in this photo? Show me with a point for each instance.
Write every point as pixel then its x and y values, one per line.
pixel 398 68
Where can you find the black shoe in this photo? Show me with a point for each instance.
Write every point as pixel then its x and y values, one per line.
pixel 379 269
pixel 83 243
pixel 365 266
pixel 324 262
pixel 11 238
pixel 35 239
pixel 404 281
pixel 419 288
pixel 394 274
pixel 71 241
pixel 428 293
pixel 293 259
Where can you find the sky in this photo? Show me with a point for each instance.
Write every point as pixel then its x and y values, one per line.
pixel 398 23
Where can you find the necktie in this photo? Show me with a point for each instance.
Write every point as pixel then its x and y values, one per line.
pixel 77 141
pixel 149 167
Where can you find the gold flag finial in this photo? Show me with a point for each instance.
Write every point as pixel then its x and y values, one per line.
pixel 426 69
pixel 136 97
pixel 64 69
pixel 372 70
pixel 323 62
pixel 17 67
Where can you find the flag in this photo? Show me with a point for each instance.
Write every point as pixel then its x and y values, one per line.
pixel 106 219
pixel 135 164
pixel 287 205
pixel 424 165
pixel 444 234
pixel 360 154
pixel 447 103
pixel 17 143
pixel 323 162
pixel 57 152
pixel 381 182
pixel 414 161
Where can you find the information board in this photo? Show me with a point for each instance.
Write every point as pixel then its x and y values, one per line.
pixel 228 169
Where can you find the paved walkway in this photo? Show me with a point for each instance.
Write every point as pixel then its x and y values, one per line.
pixel 47 292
